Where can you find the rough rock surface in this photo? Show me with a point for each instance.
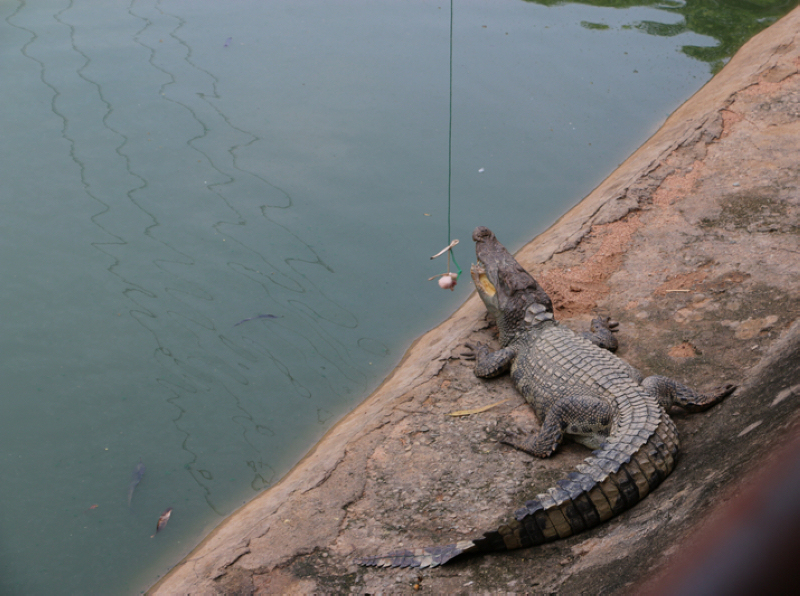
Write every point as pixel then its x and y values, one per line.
pixel 693 244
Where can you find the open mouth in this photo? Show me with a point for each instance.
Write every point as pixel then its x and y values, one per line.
pixel 486 285
pixel 482 280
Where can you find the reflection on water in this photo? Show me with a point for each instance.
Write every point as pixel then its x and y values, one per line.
pixel 730 22
pixel 217 223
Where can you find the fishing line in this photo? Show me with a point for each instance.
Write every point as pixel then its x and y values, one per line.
pixel 450 150
pixel 450 243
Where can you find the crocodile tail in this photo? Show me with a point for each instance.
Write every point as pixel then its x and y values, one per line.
pixel 432 556
pixel 614 478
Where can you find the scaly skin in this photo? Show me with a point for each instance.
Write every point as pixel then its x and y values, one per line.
pixel 579 390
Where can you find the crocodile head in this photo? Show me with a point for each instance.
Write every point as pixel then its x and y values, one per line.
pixel 510 293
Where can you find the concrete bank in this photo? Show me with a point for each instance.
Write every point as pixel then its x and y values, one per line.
pixel 693 244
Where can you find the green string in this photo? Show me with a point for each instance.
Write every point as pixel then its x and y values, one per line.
pixel 450 152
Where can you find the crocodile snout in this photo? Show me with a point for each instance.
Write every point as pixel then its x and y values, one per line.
pixel 481 234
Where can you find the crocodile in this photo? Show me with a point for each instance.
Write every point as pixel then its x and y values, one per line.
pixel 577 389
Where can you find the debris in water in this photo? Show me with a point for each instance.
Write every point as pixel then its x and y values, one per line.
pixel 136 478
pixel 480 171
pixel 228 42
pixel 162 521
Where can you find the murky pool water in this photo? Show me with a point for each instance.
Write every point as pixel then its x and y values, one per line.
pixel 217 223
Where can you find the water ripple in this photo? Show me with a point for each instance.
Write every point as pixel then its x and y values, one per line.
pixel 169 250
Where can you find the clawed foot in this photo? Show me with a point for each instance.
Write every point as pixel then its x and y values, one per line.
pixel 512 439
pixel 711 398
pixel 524 443
pixel 475 350
pixel 470 353
pixel 723 391
pixel 604 323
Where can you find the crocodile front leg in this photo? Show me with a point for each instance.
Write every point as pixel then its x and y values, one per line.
pixel 584 418
pixel 670 392
pixel 490 364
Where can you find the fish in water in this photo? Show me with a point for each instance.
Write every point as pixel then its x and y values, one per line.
pixel 136 478
pixel 162 521
pixel 257 317
pixel 228 42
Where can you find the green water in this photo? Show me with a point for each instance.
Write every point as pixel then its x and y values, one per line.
pixel 173 167
pixel 729 22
